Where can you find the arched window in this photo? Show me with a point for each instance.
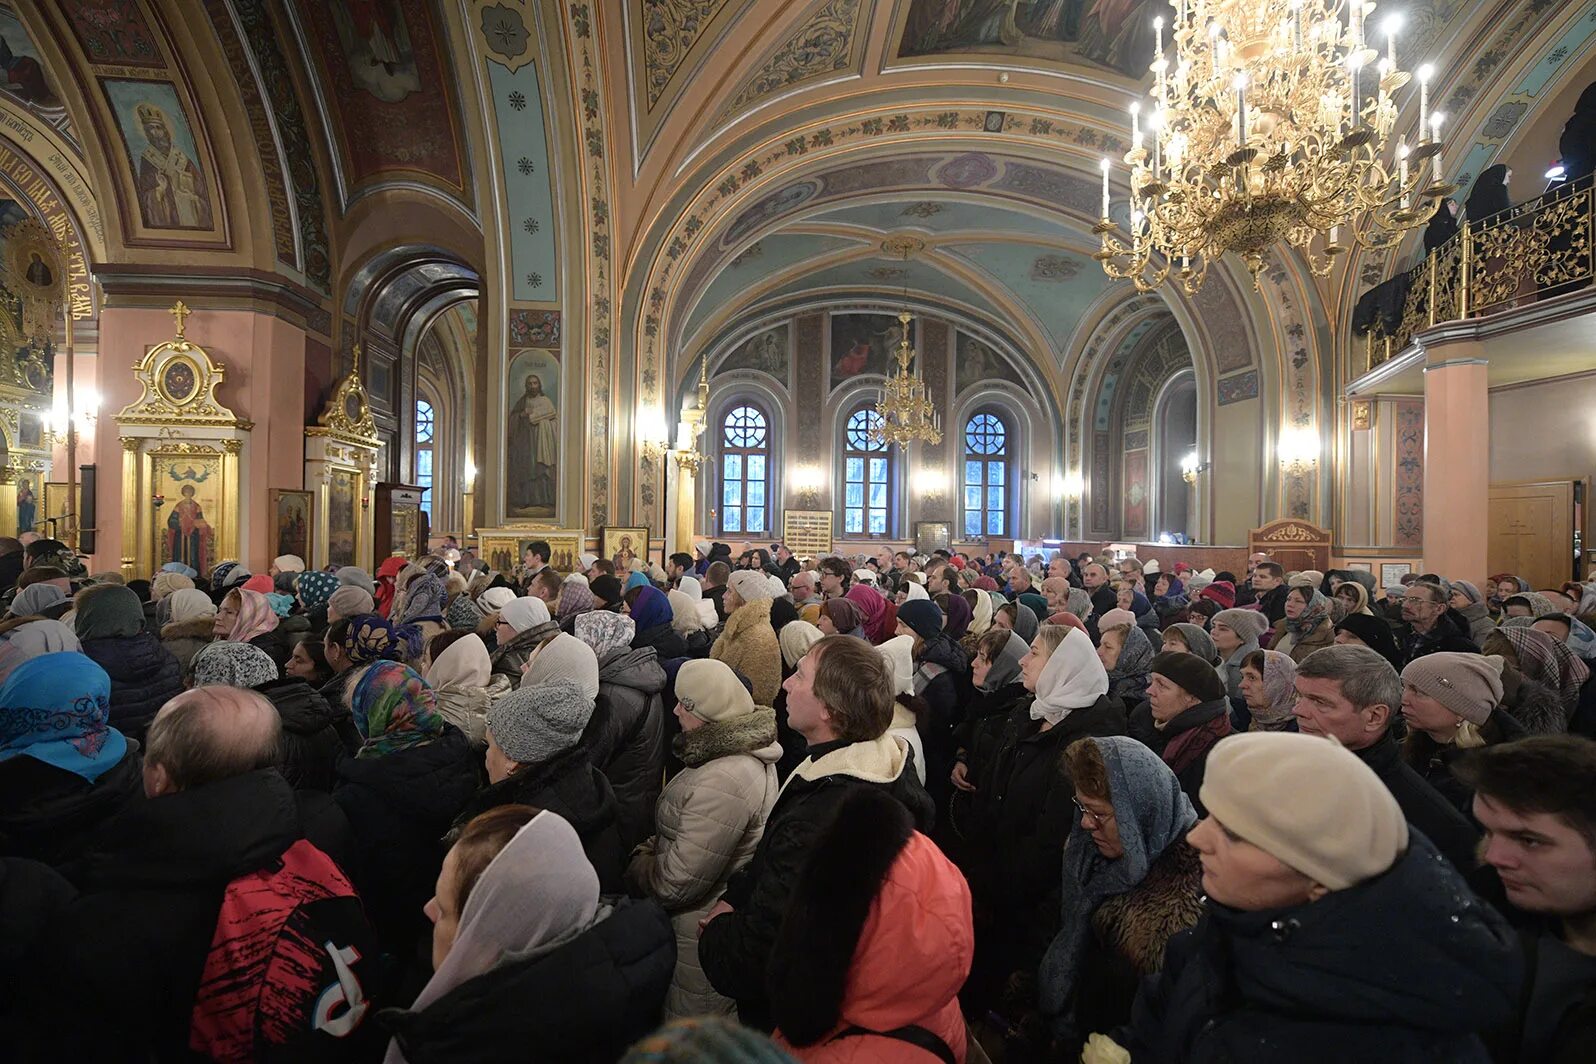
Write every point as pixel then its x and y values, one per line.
pixel 986 476
pixel 867 476
pixel 745 470
pixel 426 426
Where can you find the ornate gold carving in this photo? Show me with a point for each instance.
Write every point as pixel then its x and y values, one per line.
pixel 347 415
pixel 233 447
pixel 131 443
pixel 1290 533
pixel 1362 414
pixel 180 380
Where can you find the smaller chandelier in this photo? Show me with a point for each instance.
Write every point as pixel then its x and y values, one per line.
pixel 1271 122
pixel 907 412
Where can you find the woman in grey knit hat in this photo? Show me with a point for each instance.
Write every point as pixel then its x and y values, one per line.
pixel 1451 703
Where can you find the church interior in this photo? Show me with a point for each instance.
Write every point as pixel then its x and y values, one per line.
pixel 340 280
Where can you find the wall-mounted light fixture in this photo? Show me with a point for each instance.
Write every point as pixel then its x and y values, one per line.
pixel 806 480
pixel 1299 450
pixel 1074 485
pixel 931 484
pixel 1191 467
pixel 653 433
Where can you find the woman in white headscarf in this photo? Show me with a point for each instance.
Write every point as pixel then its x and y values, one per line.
pixel 898 653
pixel 1026 810
pixel 193 615
pixel 525 952
pixel 694 591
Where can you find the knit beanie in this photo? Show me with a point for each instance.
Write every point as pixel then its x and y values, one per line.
pixel 1470 685
pixel 606 590
pixel 923 616
pixel 711 691
pixel 1341 825
pixel 355 576
pixel 532 724
pixel 1197 641
pixel 750 585
pixel 351 601
pixel 261 583
pixel 566 658
pixel 228 664
pixel 1220 591
pixel 167 582
pixel 1114 618
pixel 1190 673
pixel 1307 578
pixel 1470 592
pixel 1247 624
pixel 524 612
pixel 795 638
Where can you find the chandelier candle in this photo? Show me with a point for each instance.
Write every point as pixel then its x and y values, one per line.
pixel 1266 133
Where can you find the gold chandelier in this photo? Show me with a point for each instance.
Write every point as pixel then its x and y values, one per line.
pixel 907 412
pixel 1271 121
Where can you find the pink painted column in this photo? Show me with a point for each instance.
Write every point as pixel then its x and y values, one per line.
pixel 1457 461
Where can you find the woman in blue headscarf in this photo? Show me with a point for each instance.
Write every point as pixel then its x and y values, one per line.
pixel 652 615
pixel 64 770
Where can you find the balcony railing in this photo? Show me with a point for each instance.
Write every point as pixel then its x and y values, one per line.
pixel 1532 251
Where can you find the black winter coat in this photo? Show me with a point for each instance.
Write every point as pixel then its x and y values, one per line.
pixel 11 566
pixel 567 784
pixel 585 1001
pixel 663 639
pixel 1423 806
pixel 626 737
pixel 1436 768
pixel 734 949
pixel 1025 813
pixel 130 949
pixel 944 695
pixel 144 675
pixel 32 897
pixel 277 644
pixel 1186 741
pixel 980 733
pixel 1405 967
pixel 1450 633
pixel 48 813
pixel 1272 604
pixel 316 736
pixel 400 805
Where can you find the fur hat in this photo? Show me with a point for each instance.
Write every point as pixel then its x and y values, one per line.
pixel 1247 624
pixel 532 724
pixel 1190 673
pixel 1470 685
pixel 1341 825
pixel 711 691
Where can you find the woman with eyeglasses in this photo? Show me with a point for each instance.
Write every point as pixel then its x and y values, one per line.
pixel 1130 883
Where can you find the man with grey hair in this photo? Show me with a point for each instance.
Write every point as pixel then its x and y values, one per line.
pixel 1352 695
pixel 185 898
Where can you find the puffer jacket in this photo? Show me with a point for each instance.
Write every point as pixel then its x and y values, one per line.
pixel 144 675
pixel 510 659
pixel 748 644
pixel 626 737
pixel 1299 984
pixel 708 824
pixel 914 947
pixel 466 707
pixel 1478 616
pixel 186 638
pixel 734 949
pixel 570 785
pixel 316 736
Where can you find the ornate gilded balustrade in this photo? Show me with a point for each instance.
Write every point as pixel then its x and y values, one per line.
pixel 1532 251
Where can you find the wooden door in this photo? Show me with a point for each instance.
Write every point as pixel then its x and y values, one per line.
pixel 1532 531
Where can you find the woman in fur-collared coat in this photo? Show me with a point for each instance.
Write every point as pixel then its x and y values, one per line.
pixel 709 818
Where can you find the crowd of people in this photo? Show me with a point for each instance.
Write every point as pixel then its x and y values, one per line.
pixel 743 806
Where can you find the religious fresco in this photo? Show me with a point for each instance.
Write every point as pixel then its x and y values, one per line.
pixel 763 353
pixel 343 508
pixel 390 95
pixel 171 188
pixel 862 343
pixel 829 42
pixel 191 488
pixel 518 118
pixel 1117 34
pixel 27 505
pixel 24 77
pixel 977 363
pixel 114 32
pixel 532 479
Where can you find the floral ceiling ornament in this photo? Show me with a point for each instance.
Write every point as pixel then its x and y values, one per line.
pixel 505 34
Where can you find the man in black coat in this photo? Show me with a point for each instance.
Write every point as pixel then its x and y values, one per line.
pixel 138 950
pixel 840 699
pixel 1269 584
pixel 1352 694
pixel 1431 625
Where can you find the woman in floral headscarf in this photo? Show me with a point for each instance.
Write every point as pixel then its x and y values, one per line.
pixel 1306 626
pixel 400 791
pixel 247 617
pixel 370 638
pixel 422 605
